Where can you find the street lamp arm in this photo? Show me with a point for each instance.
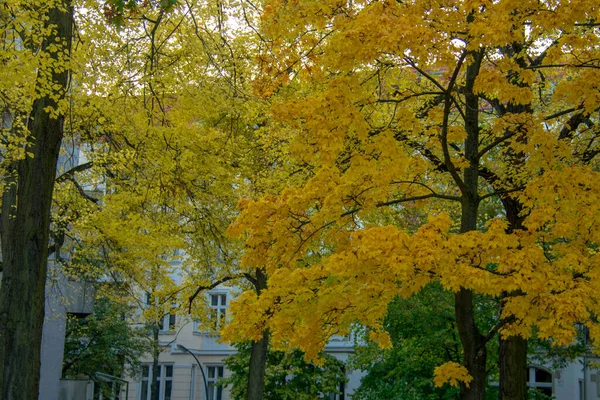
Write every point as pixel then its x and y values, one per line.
pixel 182 347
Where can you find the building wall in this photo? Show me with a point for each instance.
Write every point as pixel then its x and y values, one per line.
pixel 63 296
pixel 568 381
pixel 211 352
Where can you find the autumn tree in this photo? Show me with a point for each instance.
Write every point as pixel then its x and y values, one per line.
pixel 440 107
pixel 182 139
pixel 35 77
pixel 423 333
pixel 287 375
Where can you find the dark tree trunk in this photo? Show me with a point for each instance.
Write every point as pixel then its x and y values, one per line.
pixel 513 368
pixel 473 342
pixel 258 356
pixel 512 351
pixel 258 362
pixel 24 230
pixel 154 388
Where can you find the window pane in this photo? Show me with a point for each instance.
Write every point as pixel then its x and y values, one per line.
pixel 220 369
pixel 219 393
pixel 145 371
pixel 223 299
pixel 144 394
pixel 211 372
pixel 542 376
pixel 211 391
pixel 169 371
pixel 168 387
pixel 214 300
pixel 171 320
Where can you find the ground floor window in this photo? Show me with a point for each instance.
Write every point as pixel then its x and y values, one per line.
pixel 164 379
pixel 540 381
pixel 341 395
pixel 215 372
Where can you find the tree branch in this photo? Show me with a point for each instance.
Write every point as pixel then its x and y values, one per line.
pixel 209 287
pixel 71 173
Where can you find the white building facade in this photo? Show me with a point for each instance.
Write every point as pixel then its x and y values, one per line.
pixel 192 361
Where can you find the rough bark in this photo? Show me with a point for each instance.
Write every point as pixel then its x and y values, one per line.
pixel 512 351
pixel 154 387
pixel 513 368
pixel 473 342
pixel 258 355
pixel 24 230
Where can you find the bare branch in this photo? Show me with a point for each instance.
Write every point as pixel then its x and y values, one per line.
pixel 71 173
pixel 209 287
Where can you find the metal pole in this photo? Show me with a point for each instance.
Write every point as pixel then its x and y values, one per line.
pixel 182 347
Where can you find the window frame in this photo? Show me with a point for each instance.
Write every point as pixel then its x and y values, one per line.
pixel 162 379
pixel 533 384
pixel 167 325
pixel 218 311
pixel 215 392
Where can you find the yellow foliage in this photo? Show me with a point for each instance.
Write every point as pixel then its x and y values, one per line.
pixel 452 373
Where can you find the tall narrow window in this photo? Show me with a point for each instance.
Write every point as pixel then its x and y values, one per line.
pixel 168 322
pixel 165 382
pixel 218 305
pixel 215 372
pixel 540 380
pixel 341 394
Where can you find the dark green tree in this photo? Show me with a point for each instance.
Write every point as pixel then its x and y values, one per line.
pixel 287 375
pixel 423 333
pixel 104 341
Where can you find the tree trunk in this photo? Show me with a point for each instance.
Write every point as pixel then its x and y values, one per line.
pixel 258 356
pixel 473 343
pixel 258 362
pixel 24 230
pixel 512 351
pixel 513 368
pixel 154 385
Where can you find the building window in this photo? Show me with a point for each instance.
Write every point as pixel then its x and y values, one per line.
pixel 165 382
pixel 218 306
pixel 341 391
pixel 168 323
pixel 341 395
pixel 215 372
pixel 539 380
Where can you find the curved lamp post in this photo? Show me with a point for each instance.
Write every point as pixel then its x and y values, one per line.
pixel 182 347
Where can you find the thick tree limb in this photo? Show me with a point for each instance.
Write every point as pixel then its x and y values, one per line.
pixel 209 287
pixel 71 173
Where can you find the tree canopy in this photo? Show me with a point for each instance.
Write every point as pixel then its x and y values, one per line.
pixel 458 104
pixel 380 147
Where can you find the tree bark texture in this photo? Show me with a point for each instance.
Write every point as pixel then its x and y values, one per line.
pixel 24 230
pixel 513 368
pixel 258 355
pixel 154 387
pixel 512 351
pixel 473 342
